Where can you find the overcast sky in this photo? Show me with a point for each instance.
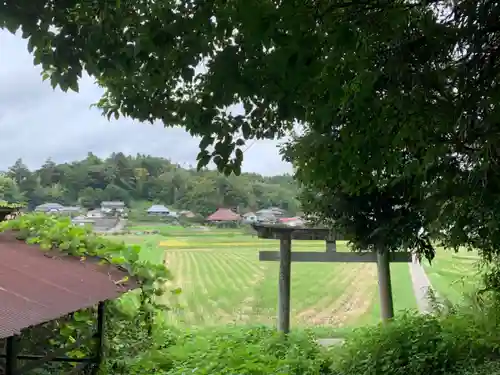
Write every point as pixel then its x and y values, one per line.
pixel 37 122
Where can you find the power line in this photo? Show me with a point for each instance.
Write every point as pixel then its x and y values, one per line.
pixel 249 146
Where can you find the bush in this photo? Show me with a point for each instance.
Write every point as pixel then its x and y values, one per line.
pixel 465 342
pixel 131 349
pixel 420 344
pixel 489 368
pixel 245 351
pixel 197 219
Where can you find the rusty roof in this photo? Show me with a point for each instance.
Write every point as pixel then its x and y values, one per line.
pixel 36 287
pixel 224 214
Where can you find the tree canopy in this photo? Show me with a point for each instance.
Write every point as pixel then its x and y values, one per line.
pixel 133 179
pixel 398 98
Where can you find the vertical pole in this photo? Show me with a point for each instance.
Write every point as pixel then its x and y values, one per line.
pixel 284 283
pixel 101 307
pixel 331 242
pixel 11 355
pixel 384 285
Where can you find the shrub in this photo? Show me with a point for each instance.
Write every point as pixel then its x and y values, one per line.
pixel 131 349
pixel 489 368
pixel 245 351
pixel 420 344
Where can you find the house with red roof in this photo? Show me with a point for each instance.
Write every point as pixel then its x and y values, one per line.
pixel 292 221
pixel 224 215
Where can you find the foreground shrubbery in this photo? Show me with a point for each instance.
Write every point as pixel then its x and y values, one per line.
pixel 415 345
pixel 464 342
pixel 244 351
pixel 461 341
pixel 489 368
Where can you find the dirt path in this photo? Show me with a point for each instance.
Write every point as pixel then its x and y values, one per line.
pixel 421 286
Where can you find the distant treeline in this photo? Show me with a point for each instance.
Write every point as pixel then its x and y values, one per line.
pixel 144 178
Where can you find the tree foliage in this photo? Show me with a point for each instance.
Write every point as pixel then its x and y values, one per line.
pixel 144 178
pixel 413 143
pixel 398 98
pixel 128 330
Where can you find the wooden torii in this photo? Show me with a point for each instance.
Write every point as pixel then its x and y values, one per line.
pixel 285 256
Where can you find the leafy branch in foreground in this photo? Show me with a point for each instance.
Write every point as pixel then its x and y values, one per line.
pixel 53 232
pixel 56 233
pixel 188 63
pixel 398 93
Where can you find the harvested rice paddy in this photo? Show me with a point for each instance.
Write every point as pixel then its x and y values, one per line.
pixel 223 281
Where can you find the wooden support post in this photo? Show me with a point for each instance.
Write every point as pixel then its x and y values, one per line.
pixel 331 242
pixel 284 283
pixel 101 308
pixel 285 256
pixel 11 351
pixel 384 286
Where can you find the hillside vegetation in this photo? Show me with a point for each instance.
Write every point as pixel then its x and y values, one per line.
pixel 137 178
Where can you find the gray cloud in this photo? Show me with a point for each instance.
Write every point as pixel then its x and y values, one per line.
pixel 37 122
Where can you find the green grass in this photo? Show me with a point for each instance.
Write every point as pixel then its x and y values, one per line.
pixel 223 281
pixel 150 227
pixel 453 275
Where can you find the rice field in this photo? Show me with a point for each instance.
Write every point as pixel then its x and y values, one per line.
pixel 223 282
pixel 454 275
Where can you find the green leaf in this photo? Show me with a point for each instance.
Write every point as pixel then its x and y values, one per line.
pixel 237 169
pixel 239 155
pixel 203 160
pixel 292 60
pixel 246 129
pixel 74 86
pixel 10 23
pixel 205 142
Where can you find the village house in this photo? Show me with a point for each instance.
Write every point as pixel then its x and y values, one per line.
pixel 49 207
pixel 224 216
pixel 187 213
pixel 83 220
pixel 292 221
pixel 158 210
pixel 110 207
pixel 97 213
pixel 71 210
pixel 271 212
pixel 250 217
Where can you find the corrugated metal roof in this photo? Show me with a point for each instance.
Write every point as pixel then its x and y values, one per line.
pixel 71 208
pixel 113 203
pixel 51 205
pixel 158 208
pixel 37 287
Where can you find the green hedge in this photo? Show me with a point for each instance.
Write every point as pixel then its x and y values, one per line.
pixel 245 351
pixel 458 343
pixel 465 342
pixel 489 368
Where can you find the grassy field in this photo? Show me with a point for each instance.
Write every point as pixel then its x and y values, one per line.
pixel 223 281
pixel 453 275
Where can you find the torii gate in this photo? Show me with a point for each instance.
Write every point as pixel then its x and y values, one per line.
pixel 285 256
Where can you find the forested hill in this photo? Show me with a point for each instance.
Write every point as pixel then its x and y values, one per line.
pixel 140 178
